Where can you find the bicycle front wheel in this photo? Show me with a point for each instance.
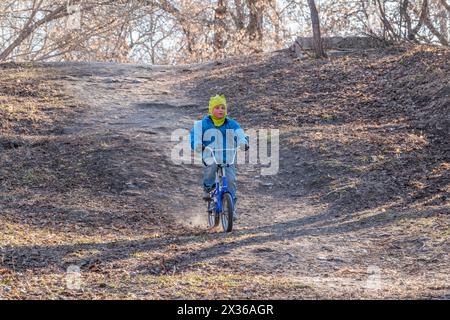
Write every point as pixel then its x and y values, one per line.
pixel 213 218
pixel 227 212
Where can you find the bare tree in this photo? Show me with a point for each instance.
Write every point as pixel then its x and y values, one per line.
pixel 238 17
pixel 255 25
pixel 443 22
pixel 220 26
pixel 441 35
pixel 411 32
pixel 186 31
pixel 318 47
pixel 47 14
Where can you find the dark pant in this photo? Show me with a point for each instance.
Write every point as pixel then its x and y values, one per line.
pixel 209 177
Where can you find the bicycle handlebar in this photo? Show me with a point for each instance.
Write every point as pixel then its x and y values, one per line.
pixel 221 150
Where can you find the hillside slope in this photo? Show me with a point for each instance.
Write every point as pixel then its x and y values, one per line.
pixel 359 208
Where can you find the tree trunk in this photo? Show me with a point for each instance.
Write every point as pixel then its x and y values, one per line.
pixel 219 26
pixel 412 32
pixel 276 22
pixel 255 25
pixel 318 47
pixel 443 23
pixel 239 18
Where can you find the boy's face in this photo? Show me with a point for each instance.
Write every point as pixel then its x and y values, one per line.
pixel 219 111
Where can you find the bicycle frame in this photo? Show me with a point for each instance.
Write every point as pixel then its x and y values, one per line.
pixel 221 179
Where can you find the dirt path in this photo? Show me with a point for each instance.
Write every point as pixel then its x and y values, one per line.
pixel 285 245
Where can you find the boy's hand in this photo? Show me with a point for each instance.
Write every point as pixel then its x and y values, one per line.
pixel 244 147
pixel 198 148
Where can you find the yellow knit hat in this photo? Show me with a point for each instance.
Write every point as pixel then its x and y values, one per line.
pixel 216 101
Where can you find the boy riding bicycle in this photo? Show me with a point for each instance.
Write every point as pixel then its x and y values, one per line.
pixel 221 132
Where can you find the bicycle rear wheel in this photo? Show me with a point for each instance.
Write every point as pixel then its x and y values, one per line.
pixel 227 212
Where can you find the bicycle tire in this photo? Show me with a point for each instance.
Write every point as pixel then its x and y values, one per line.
pixel 227 212
pixel 213 219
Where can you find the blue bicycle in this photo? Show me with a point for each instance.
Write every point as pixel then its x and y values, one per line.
pixel 221 205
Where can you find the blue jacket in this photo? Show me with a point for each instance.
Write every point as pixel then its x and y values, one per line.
pixel 201 134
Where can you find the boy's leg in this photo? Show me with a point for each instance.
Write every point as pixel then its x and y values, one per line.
pixel 209 177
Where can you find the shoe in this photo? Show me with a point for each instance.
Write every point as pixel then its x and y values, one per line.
pixel 235 215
